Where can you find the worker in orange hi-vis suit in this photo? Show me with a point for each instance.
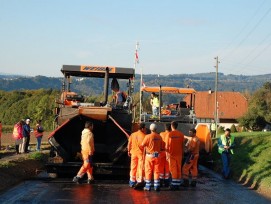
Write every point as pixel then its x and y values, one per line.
pixel 164 165
pixel 153 144
pixel 174 147
pixel 136 154
pixel 87 150
pixel 191 162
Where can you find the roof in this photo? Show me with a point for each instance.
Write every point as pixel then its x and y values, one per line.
pixel 165 89
pixel 231 105
pixel 97 71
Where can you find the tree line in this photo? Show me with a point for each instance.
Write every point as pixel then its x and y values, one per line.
pixel 33 104
pixel 40 104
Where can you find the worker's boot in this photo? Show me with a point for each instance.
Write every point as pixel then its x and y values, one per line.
pixel 132 183
pixel 193 183
pixel 185 183
pixel 90 181
pixel 147 186
pixel 139 185
pixel 162 182
pixel 173 187
pixel 77 179
pixel 166 183
pixel 157 188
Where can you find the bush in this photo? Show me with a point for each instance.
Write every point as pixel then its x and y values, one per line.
pixel 233 128
pixel 220 130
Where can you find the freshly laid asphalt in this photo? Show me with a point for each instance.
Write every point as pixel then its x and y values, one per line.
pixel 211 188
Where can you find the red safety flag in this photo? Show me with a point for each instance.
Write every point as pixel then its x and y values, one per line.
pixel 136 57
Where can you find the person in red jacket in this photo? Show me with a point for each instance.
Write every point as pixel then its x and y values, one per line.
pixel 174 147
pixel 153 143
pixel 164 165
pixel 191 163
pixel 136 154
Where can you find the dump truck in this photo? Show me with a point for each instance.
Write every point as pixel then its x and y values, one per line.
pixel 112 122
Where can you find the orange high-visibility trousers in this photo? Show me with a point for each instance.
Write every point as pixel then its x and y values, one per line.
pixel 86 167
pixel 151 167
pixel 175 167
pixel 136 168
pixel 163 166
pixel 192 167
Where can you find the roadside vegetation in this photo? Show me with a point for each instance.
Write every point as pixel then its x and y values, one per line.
pixel 250 164
pixel 35 104
pixel 259 109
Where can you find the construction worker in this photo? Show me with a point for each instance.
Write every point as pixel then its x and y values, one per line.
pixel 136 154
pixel 87 151
pixel 153 144
pixel 174 147
pixel 164 165
pixel 213 129
pixel 154 104
pixel 191 162
pixel 225 148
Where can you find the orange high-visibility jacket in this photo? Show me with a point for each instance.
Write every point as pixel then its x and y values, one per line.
pixel 174 144
pixel 135 140
pixel 153 143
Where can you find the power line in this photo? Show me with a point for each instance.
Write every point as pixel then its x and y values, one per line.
pixel 261 43
pixel 243 28
pixel 249 33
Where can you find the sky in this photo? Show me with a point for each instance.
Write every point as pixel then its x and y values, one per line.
pixel 174 36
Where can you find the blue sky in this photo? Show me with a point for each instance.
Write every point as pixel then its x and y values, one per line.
pixel 175 36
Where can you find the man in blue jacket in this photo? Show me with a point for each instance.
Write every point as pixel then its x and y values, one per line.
pixel 26 135
pixel 225 148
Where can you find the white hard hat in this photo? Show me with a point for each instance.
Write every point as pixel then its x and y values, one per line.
pixel 153 127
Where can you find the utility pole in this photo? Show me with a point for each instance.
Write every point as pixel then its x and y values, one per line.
pixel 216 102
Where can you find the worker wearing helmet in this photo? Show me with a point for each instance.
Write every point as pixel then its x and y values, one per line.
pixel 174 147
pixel 153 144
pixel 164 165
pixel 136 154
pixel 191 163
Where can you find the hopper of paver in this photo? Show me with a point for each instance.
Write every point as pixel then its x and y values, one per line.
pixel 112 125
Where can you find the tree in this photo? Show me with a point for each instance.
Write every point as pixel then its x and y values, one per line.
pixel 259 109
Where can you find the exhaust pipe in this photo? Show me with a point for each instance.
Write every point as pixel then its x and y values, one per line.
pixel 106 82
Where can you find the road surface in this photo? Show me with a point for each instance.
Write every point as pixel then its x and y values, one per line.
pixel 211 188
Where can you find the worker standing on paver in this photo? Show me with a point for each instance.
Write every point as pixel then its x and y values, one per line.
pixel 153 143
pixel 174 147
pixel 191 163
pixel 225 148
pixel 213 128
pixel 136 154
pixel 164 165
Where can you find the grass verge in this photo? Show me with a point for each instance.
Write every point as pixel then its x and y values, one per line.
pixel 251 163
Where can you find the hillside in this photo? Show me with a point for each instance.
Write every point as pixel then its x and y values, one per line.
pixel 201 82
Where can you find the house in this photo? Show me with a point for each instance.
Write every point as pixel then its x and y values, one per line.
pixel 231 106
